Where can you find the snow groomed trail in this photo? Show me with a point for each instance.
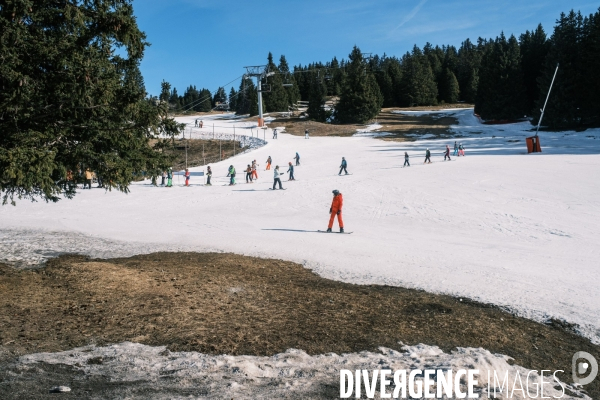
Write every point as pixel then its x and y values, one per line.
pixel 499 226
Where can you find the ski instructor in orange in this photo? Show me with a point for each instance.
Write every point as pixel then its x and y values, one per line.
pixel 336 209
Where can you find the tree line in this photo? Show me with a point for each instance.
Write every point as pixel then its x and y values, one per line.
pixel 506 78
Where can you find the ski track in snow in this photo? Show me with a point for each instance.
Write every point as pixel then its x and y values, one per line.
pixel 496 226
pixel 282 375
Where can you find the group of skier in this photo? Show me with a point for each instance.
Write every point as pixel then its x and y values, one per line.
pixel 459 150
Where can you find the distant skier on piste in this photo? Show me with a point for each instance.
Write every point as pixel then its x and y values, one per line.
pixel 269 161
pixel 343 166
pixel 187 177
pixel 208 176
pixel 291 172
pixel 461 150
pixel 336 209
pixel 447 153
pixel 427 157
pixel 277 178
pixel 406 163
pixel 249 174
pixel 231 175
pixel 455 149
pixel 254 173
pixel 170 177
pixel 297 158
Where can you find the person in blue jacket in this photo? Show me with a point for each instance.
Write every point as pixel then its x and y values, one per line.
pixel 343 166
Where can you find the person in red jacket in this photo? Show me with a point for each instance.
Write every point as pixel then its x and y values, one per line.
pixel 336 209
pixel 187 177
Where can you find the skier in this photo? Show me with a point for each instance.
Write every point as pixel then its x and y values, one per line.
pixel 196 122
pixel 201 124
pixel 269 160
pixel 170 177
pixel 208 176
pixel 447 153
pixel 89 175
pixel 306 134
pixel 249 174
pixel 297 158
pixel 276 177
pixel 406 163
pixel 343 166
pixel 254 173
pixel 275 133
pixel 291 172
pixel 455 149
pixel 187 177
pixel 336 209
pixel 427 157
pixel 163 177
pixel 231 175
pixel 461 150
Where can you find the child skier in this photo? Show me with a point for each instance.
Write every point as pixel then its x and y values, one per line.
pixel 170 177
pixel 291 172
pixel 336 209
pixel 406 163
pixel 249 174
pixel 269 160
pixel 447 153
pixel 427 157
pixel 343 166
pixel 208 176
pixel 461 150
pixel 187 177
pixel 231 175
pixel 254 173
pixel 276 177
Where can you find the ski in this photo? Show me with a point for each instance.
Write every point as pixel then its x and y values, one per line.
pixel 277 189
pixel 347 233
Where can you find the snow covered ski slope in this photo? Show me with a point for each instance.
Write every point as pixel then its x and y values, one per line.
pixel 520 231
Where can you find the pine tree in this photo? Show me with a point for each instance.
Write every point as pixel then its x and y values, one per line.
pixel 448 87
pixel 165 92
pixel 293 92
pixel 277 98
pixel 316 101
pixel 501 91
pixel 247 99
pixel 417 87
pixel 467 69
pixel 591 65
pixel 534 48
pixel 174 100
pixel 219 97
pixel 360 99
pixel 69 103
pixel 204 101
pixel 566 101
pixel 233 98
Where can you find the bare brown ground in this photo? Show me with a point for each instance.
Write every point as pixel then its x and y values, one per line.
pixel 399 126
pixel 225 303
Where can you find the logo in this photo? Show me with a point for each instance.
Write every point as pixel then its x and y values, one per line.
pixel 581 368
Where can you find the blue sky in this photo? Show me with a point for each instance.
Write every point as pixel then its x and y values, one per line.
pixel 208 42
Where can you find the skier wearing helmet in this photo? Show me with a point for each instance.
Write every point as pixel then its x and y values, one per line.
pixel 336 209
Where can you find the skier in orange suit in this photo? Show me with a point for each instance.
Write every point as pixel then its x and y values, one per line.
pixel 336 209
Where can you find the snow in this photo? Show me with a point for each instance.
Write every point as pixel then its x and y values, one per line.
pixel 499 226
pixel 294 371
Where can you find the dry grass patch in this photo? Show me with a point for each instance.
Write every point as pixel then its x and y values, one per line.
pixel 225 303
